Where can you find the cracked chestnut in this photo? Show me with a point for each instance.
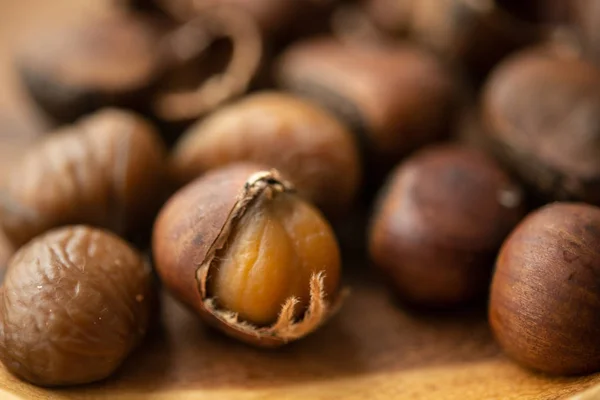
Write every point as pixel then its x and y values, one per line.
pixel 75 302
pixel 545 296
pixel 249 255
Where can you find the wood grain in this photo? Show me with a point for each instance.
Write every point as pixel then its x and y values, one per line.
pixel 374 349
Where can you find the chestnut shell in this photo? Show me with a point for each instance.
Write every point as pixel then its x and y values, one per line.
pixel 545 296
pixel 75 302
pixel 196 222
pixel 439 223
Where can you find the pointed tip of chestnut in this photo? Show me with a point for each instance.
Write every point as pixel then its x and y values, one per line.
pixel 245 218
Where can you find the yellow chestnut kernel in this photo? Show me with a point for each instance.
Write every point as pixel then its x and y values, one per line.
pixel 274 250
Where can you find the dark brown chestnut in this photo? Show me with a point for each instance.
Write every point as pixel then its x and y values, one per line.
pixel 398 97
pixel 107 170
pixel 130 60
pixel 305 142
pixel 249 255
pixel 75 302
pixel 545 296
pixel 78 69
pixel 439 223
pixel 541 112
pixel 477 34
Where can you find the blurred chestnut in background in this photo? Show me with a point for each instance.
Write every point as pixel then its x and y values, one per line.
pixel 395 98
pixel 439 222
pixel 392 16
pixel 253 258
pixel 545 296
pixel 75 303
pixel 478 33
pixel 74 70
pixel 107 170
pixel 144 63
pixel 586 17
pixel 305 142
pixel 541 112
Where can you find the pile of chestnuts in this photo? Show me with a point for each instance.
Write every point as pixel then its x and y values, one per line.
pixel 216 147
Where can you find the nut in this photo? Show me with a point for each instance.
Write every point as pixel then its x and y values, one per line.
pixel 395 98
pixel 310 146
pixel 541 113
pixel 439 224
pixel 250 256
pixel 545 296
pixel 75 302
pixel 478 33
pixel 77 69
pixel 107 170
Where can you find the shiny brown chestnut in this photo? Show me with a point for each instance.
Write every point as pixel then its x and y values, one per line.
pixel 249 255
pixel 305 142
pixel 107 170
pixel 541 110
pixel 545 296
pixel 75 302
pixel 398 97
pixel 130 59
pixel 439 223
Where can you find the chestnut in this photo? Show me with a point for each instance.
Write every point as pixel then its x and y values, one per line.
pixel 586 16
pixel 129 61
pixel 107 170
pixel 478 34
pixel 439 223
pixel 75 302
pixel 540 111
pixel 545 296
pixel 305 142
pixel 77 69
pixel 396 98
pixel 253 258
pixel 391 16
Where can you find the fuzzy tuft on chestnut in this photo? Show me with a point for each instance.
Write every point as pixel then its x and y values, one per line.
pixel 249 255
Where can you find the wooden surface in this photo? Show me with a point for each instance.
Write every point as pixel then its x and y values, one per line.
pixel 374 349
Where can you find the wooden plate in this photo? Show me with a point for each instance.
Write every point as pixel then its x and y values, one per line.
pixel 374 349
